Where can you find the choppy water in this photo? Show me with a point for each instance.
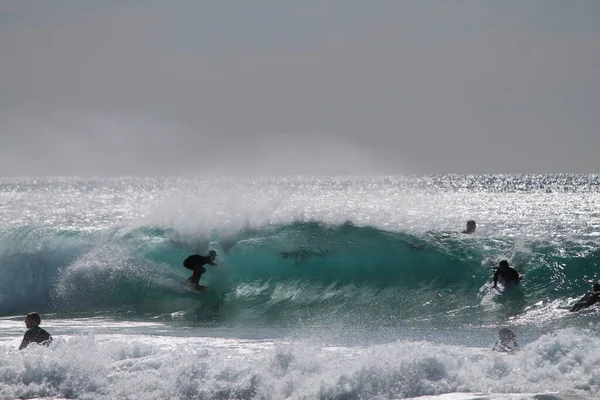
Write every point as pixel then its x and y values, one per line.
pixel 330 288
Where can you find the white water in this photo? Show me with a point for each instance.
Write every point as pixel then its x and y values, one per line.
pixel 416 204
pixel 104 359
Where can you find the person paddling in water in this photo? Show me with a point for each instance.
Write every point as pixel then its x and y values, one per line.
pixel 196 263
pixel 589 299
pixel 508 341
pixel 510 276
pixel 35 334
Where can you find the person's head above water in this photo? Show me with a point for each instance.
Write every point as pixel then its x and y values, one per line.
pixel 32 320
pixel 506 334
pixel 471 225
pixel 503 264
pixel 211 254
pixel 596 287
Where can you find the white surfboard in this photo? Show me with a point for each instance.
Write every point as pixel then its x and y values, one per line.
pixel 189 287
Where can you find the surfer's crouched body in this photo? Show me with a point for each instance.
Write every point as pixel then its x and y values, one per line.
pixel 508 341
pixel 590 298
pixel 509 275
pixel 195 262
pixel 35 334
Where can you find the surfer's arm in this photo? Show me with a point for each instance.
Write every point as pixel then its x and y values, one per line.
pixel 26 340
pixel 587 300
pixel 578 306
pixel 495 280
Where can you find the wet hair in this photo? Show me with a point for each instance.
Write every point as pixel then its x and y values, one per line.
pixel 503 263
pixel 35 317
pixel 212 253
pixel 507 334
pixel 596 287
pixel 470 227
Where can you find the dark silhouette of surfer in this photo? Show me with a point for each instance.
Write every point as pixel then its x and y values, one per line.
pixel 589 299
pixel 196 263
pixel 34 334
pixel 510 276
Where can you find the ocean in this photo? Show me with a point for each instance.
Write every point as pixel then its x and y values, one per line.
pixel 327 287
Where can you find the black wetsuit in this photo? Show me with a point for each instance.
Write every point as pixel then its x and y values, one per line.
pixel 195 263
pixel 510 276
pixel 589 299
pixel 35 335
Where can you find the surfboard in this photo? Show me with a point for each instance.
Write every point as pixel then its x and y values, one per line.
pixel 192 288
pixel 509 291
pixel 500 289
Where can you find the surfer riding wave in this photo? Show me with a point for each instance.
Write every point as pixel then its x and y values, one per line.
pixel 196 263
pixel 509 277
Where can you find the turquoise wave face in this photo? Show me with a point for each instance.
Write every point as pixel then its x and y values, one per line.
pixel 297 274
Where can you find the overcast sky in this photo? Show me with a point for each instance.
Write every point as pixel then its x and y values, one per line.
pixel 299 87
